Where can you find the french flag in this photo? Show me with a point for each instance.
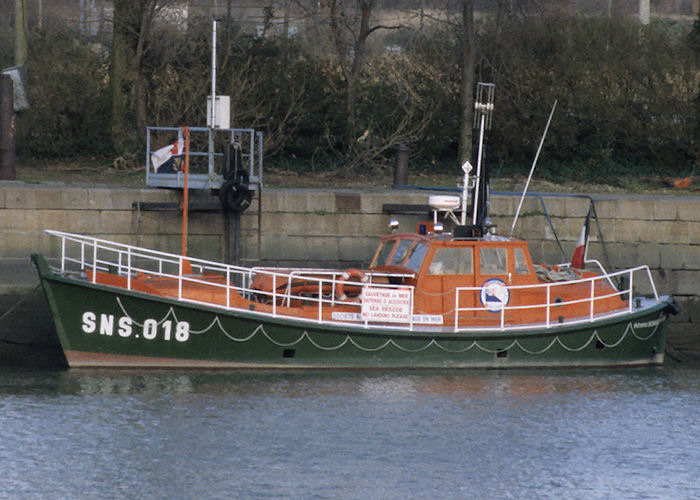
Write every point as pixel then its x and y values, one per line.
pixel 579 257
pixel 169 159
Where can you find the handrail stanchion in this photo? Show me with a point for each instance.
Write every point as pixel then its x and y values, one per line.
pixel 94 263
pixel 503 316
pixel 651 280
pixel 629 291
pixel 457 290
pixel 82 255
pixel 320 300
pixel 179 278
pixel 592 298
pixel 410 310
pixel 274 294
pixel 128 267
pixel 63 255
pixel 228 287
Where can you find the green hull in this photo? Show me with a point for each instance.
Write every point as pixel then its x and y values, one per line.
pixel 105 326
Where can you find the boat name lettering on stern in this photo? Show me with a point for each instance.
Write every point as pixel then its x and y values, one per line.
pixel 648 324
pixel 105 324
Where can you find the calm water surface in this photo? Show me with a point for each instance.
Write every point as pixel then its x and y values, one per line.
pixel 351 434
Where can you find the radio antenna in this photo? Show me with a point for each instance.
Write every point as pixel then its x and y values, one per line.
pixel 532 169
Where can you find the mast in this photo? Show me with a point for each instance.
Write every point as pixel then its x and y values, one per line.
pixel 483 113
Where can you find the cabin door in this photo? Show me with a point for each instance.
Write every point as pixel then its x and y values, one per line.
pixel 450 269
pixel 493 279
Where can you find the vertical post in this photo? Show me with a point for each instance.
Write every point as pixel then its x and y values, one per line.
pixel 401 167
pixel 185 196
pixel 7 129
pixel 260 184
pixel 478 171
pixel 212 111
pixel 237 242
pixel 213 74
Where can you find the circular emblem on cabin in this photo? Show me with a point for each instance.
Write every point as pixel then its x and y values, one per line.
pixel 494 295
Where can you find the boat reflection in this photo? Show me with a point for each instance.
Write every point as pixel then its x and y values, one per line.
pixel 380 385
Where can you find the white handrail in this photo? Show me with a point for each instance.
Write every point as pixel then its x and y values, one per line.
pixel 140 261
pixel 592 299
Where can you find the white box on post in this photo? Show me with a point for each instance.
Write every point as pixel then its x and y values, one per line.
pixel 222 119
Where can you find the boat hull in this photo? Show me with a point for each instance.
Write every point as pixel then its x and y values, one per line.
pixel 103 326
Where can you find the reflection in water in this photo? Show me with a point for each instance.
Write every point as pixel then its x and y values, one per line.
pixel 356 434
pixel 392 384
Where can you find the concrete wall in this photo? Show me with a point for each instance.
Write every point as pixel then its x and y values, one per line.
pixel 341 228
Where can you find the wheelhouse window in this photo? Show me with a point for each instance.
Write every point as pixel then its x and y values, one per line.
pixel 415 256
pixel 408 253
pixel 383 253
pixel 521 266
pixel 403 247
pixel 452 261
pixel 493 260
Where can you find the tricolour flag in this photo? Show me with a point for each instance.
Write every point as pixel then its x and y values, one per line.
pixel 579 257
pixel 169 159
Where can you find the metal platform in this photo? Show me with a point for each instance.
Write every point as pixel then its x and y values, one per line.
pixel 206 169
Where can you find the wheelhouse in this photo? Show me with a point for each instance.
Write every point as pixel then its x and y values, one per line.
pixel 507 258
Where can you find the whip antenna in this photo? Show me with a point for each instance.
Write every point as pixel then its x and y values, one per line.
pixel 532 169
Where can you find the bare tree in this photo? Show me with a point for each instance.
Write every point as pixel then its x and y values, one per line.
pixel 350 25
pixel 133 23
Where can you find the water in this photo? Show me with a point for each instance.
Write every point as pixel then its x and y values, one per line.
pixel 351 434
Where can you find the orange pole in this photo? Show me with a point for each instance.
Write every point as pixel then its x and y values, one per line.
pixel 186 132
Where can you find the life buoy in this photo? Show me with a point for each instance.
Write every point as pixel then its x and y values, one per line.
pixel 351 275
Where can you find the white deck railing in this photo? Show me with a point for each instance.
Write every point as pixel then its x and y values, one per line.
pixel 82 253
pixel 551 307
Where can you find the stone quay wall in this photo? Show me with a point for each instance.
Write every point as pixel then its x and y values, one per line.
pixel 311 227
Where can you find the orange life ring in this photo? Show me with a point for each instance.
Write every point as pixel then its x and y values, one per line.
pixel 357 275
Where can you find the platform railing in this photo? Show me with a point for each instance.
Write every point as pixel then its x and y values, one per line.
pixel 251 142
